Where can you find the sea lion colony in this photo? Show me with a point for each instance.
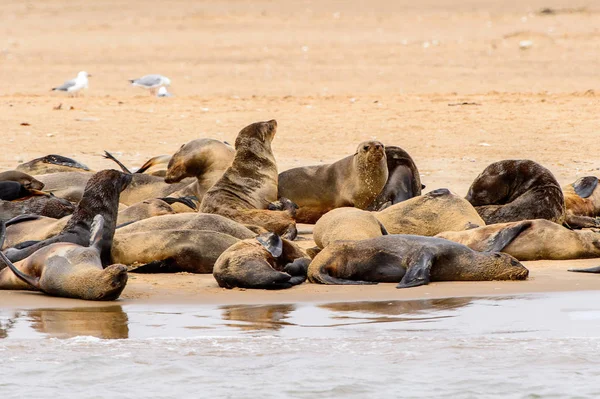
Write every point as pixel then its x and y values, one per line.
pixel 212 208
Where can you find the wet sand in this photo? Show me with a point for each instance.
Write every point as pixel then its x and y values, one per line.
pixel 447 81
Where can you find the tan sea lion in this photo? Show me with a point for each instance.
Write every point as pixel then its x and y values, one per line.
pixel 264 262
pixel 171 251
pixel 67 270
pixel 410 260
pixel 101 197
pixel 346 224
pixel 429 214
pixel 49 206
pixel 27 181
pixel 51 164
pixel 155 166
pixel 513 190
pixel 249 185
pixel 530 240
pixel 582 202
pixel 354 181
pixel 404 180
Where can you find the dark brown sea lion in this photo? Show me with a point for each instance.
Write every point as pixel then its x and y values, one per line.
pixel 410 260
pixel 530 240
pixel 354 181
pixel 429 214
pixel 101 197
pixel 346 224
pixel 67 270
pixel 171 251
pixel 513 190
pixel 249 185
pixel 404 180
pixel 49 206
pixel 264 262
pixel 582 202
pixel 51 164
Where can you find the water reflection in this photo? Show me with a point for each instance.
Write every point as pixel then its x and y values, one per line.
pixel 397 308
pixel 263 317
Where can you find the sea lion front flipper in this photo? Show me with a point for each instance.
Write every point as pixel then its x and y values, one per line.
pixel 500 240
pixel 418 273
pixel 588 270
pixel 34 282
pixel 110 156
pixel 272 243
pixel 585 186
pixel 22 218
pixel 25 244
pixel 299 267
pixel 158 266
pixel 188 201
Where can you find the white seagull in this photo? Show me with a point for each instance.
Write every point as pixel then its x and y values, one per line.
pixel 151 82
pixel 162 92
pixel 74 85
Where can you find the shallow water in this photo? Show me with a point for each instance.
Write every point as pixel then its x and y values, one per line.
pixel 537 346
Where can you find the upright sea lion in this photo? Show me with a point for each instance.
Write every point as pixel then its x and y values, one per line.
pixel 429 214
pixel 51 164
pixel 354 181
pixel 530 240
pixel 49 206
pixel 346 224
pixel 410 260
pixel 249 185
pixel 264 262
pixel 404 180
pixel 101 197
pixel 171 251
pixel 582 202
pixel 513 190
pixel 67 270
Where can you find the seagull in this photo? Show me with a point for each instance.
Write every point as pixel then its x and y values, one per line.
pixel 74 85
pixel 162 92
pixel 151 82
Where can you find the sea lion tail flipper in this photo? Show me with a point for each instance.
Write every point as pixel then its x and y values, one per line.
pixel 500 240
pixel 585 186
pixel 158 266
pixel 189 201
pixel 22 218
pixel 96 231
pixel 272 243
pixel 588 270
pixel 383 229
pixel 110 156
pixel 157 160
pixel 418 273
pixel 34 282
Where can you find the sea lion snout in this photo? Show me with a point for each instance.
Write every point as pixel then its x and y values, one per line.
pixel 375 150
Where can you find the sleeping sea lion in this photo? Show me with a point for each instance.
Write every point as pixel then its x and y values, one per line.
pixel 51 164
pixel 429 214
pixel 582 202
pixel 513 190
pixel 27 181
pixel 410 260
pixel 346 224
pixel 42 205
pixel 67 270
pixel 264 262
pixel 354 181
pixel 249 185
pixel 404 181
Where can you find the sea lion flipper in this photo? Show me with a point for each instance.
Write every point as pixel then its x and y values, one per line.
pixel 110 156
pixel 588 270
pixel 418 273
pixel 298 268
pixel 22 218
pixel 25 244
pixel 34 282
pixel 272 243
pixel 500 240
pixel 585 186
pixel 188 201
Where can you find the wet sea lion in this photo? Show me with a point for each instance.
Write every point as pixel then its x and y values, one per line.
pixel 530 240
pixel 101 197
pixel 346 224
pixel 171 251
pixel 67 270
pixel 249 185
pixel 51 164
pixel 264 262
pixel 354 181
pixel 513 190
pixel 582 202
pixel 429 214
pixel 49 206
pixel 404 180
pixel 410 260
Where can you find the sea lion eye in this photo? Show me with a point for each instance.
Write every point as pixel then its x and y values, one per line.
pixel 366 148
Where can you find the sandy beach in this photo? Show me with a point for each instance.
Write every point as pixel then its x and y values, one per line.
pixel 457 84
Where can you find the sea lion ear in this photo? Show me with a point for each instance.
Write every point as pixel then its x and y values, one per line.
pixel 585 186
pixel 272 243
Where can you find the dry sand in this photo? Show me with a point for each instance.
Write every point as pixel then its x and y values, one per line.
pixel 333 74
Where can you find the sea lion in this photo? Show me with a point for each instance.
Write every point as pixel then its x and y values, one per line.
pixel 27 181
pixel 410 260
pixel 15 184
pixel 249 185
pixel 404 180
pixel 264 262
pixel 530 240
pixel 49 206
pixel 582 202
pixel 101 197
pixel 354 181
pixel 429 214
pixel 67 185
pixel 67 270
pixel 346 224
pixel 51 164
pixel 150 166
pixel 513 190
pixel 171 251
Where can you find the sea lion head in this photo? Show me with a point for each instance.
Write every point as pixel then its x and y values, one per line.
pixel 488 188
pixel 108 285
pixel 119 180
pixel 263 132
pixel 501 266
pixel 372 151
